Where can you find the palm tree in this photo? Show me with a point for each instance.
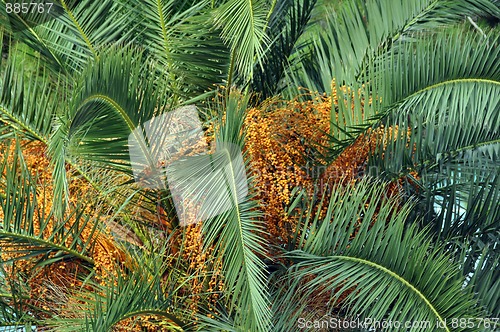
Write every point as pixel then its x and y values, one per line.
pixel 416 80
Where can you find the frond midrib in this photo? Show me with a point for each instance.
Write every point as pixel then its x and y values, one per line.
pixel 35 239
pixel 415 19
pixel 393 37
pixel 396 276
pixel 240 226
pixel 455 152
pixel 123 114
pixel 33 32
pixel 23 125
pixel 79 28
pixel 452 81
pixel 163 30
pixel 396 105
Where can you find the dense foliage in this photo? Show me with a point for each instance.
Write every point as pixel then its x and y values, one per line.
pixel 359 143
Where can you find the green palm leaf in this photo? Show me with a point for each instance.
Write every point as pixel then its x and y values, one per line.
pixel 28 100
pixel 111 100
pixel 52 241
pixel 70 40
pixel 31 105
pixel 359 31
pixel 385 271
pixel 231 223
pixel 486 279
pixel 151 288
pixel 451 102
pixel 287 23
pixel 243 24
pixel 452 109
pixel 191 57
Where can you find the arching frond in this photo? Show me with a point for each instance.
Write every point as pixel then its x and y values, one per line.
pixel 112 99
pixel 363 257
pixel 151 288
pixel 358 31
pixel 222 197
pixel 76 34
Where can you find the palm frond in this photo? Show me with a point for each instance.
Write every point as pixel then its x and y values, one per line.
pixel 218 186
pixel 28 99
pixel 14 293
pixel 485 279
pixel 359 31
pixel 287 23
pixel 112 99
pixel 366 266
pixel 48 241
pixel 450 122
pixel 143 291
pixel 397 86
pixel 191 57
pixel 463 214
pixel 69 40
pixel 444 100
pixel 243 24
